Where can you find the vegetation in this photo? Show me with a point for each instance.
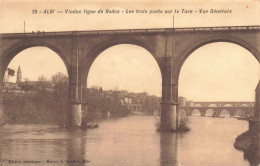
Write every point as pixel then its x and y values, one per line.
pixel 44 101
pixel 183 124
pixel 100 106
pixel 245 114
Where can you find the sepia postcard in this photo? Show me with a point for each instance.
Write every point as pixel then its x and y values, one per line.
pixel 130 83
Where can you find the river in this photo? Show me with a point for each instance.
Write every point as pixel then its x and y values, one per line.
pixel 130 141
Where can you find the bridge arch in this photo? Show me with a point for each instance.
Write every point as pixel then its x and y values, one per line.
pixel 225 112
pixel 97 50
pixel 208 40
pixel 18 47
pixel 196 112
pixel 227 105
pixel 210 112
pixel 20 51
pixel 239 112
pixel 100 63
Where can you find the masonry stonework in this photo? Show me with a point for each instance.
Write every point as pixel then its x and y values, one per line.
pixel 170 48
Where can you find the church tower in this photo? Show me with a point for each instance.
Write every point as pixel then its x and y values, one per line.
pixel 19 75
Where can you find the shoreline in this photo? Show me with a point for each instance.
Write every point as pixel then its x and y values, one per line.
pixel 249 143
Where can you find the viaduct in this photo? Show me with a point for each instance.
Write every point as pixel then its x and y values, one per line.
pixel 169 46
pixel 245 108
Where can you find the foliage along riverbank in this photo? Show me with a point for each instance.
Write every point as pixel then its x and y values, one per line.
pixel 47 102
pixel 183 124
pixel 38 102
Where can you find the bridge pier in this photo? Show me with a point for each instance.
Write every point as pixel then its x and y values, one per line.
pixel 188 111
pixel 168 116
pixel 217 112
pixel 169 112
pixel 1 114
pixel 232 112
pixel 257 101
pixel 1 105
pixel 78 88
pixel 76 115
pixel 203 111
pixel 78 112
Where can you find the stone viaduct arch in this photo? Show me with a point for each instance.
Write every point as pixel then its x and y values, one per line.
pixel 170 47
pixel 204 40
pixel 16 48
pixel 92 56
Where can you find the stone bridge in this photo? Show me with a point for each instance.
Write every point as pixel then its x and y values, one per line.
pixel 240 111
pixel 222 104
pixel 243 108
pixel 170 47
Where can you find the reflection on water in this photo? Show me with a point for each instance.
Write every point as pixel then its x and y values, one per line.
pixel 126 141
pixel 168 143
pixel 76 152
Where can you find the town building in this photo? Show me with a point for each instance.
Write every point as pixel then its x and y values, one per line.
pixel 9 72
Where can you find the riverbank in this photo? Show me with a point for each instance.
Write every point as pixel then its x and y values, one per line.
pixel 249 143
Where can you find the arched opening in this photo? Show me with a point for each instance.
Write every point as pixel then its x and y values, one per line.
pixel 35 87
pixel 209 112
pixel 224 113
pixel 127 79
pixel 227 105
pixel 238 113
pixel 219 72
pixel 195 112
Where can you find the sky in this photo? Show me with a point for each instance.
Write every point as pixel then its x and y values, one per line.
pixel 37 61
pixel 226 72
pixel 217 71
pixel 135 70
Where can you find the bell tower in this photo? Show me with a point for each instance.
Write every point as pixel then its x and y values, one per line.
pixel 19 75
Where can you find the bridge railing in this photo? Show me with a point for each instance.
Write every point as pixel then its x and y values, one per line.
pixel 218 28
pixel 154 30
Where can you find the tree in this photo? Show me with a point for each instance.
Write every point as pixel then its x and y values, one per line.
pixel 42 83
pixel 59 78
pixel 60 82
pixel 94 87
pixel 61 95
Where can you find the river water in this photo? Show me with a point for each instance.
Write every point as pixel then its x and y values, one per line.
pixel 130 141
